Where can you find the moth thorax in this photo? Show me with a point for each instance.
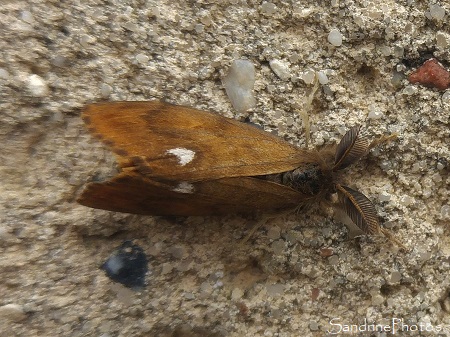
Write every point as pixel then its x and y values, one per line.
pixel 309 179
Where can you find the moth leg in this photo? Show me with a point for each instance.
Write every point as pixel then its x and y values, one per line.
pixel 261 223
pixel 258 225
pixel 382 139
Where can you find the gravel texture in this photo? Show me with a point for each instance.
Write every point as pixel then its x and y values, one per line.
pixel 298 271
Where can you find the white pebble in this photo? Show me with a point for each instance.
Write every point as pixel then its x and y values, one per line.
pixel 12 312
pixel 399 51
pixel 268 8
pixel 335 37
pixel 275 289
pixel 406 200
pixel 239 84
pixel 198 28
pixel 236 294
pixel 27 17
pixel 37 86
pixel 4 75
pixel 397 78
pixel 313 326
pixel 105 90
pixel 322 77
pixel 445 212
pixel 385 50
pixel 206 20
pixel 377 299
pixel 441 40
pixel 280 68
pixel 375 114
pixel 142 58
pixel 308 76
pixel 59 61
pixel 87 40
pixel 410 90
pixel 395 277
pixel 131 26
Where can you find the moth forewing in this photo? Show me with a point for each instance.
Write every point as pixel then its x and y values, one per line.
pixel 169 142
pixel 130 192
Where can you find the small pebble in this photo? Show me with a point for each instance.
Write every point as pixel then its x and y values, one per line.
pixel 27 17
pixel 437 12
pixel 326 252
pixel 268 8
pixel 4 74
pixel 308 76
pixel 335 37
pixel 59 61
pixel 177 252
pixel 446 95
pixel 37 86
pixel 236 294
pixel 397 78
pixel 395 277
pixel 431 74
pixel 239 84
pixel 445 212
pixel 278 247
pixel 441 40
pixel 313 326
pixel 12 312
pixel 409 90
pixel 105 90
pixel 127 265
pixel 275 289
pixel 273 233
pixel 322 77
pixel 281 69
pixel 375 114
pixel 142 58
pixel 199 28
pixel 377 299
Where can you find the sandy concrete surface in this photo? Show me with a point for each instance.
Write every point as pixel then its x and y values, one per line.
pixel 59 56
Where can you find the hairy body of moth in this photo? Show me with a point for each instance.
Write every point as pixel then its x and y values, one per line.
pixel 176 160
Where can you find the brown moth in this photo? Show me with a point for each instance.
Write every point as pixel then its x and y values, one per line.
pixel 176 160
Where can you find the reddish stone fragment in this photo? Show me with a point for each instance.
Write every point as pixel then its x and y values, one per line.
pixel 431 74
pixel 326 252
pixel 315 294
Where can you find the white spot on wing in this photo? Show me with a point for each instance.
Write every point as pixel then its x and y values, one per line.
pixel 184 187
pixel 184 156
